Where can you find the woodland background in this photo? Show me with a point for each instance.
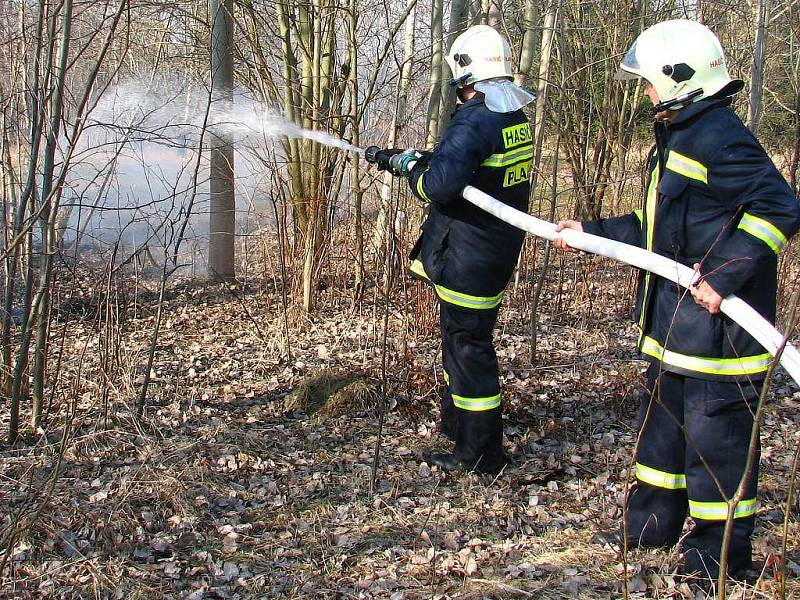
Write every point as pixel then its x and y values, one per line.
pixel 217 380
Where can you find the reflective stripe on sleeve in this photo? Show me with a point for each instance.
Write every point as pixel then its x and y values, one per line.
pixel 476 404
pixel 418 268
pixel 718 511
pixel 688 167
pixel 421 189
pixel 503 159
pixel 638 213
pixel 662 479
pixel 763 230
pixel 743 365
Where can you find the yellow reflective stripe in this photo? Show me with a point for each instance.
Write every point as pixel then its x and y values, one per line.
pixel 473 404
pixel 650 207
pixel 421 189
pixel 476 404
pixel 688 167
pixel 718 511
pixel 454 297
pixel 418 268
pixel 651 202
pixel 743 365
pixel 503 159
pixel 763 230
pixel 638 213
pixel 662 479
pixel 467 300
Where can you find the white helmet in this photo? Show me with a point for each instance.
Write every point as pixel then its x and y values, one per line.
pixel 683 60
pixel 478 54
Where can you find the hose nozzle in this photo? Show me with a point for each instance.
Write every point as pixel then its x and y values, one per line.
pixel 371 154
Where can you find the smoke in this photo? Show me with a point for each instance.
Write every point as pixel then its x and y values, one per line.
pixel 140 171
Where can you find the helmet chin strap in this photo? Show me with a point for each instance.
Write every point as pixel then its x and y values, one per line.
pixel 459 82
pixel 683 99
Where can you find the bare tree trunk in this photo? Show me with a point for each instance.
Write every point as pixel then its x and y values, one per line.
pixel 795 162
pixel 290 96
pixel 757 67
pixel 530 16
pixel 47 219
pixel 222 218
pixel 398 122
pixel 458 21
pixel 36 114
pixel 355 172
pixel 437 58
pixel 494 13
pixel 545 56
pixel 476 14
pixel 540 280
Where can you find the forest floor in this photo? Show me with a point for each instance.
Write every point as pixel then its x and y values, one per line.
pixel 249 475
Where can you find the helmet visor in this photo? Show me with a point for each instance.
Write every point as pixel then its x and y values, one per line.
pixel 629 68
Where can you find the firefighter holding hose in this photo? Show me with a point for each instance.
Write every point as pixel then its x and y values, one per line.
pixel 466 254
pixel 713 201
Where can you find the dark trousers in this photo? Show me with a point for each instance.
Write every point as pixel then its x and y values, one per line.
pixel 692 452
pixel 471 412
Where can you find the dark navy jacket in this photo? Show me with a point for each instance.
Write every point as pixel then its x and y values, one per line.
pixel 713 197
pixel 466 253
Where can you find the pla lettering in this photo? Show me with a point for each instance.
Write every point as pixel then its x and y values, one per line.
pixel 517 174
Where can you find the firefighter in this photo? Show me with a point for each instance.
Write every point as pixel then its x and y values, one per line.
pixel 715 201
pixel 466 254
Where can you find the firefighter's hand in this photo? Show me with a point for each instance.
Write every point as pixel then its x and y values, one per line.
pixel 705 295
pixel 559 243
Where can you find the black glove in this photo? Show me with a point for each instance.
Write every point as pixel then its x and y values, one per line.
pixel 424 157
pixel 402 164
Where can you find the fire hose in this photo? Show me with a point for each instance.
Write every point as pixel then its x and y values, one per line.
pixel 736 308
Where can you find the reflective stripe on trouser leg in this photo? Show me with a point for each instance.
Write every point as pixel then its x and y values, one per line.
pixel 471 365
pixel 657 504
pixel 448 415
pixel 719 419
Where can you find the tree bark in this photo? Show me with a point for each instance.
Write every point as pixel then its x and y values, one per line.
pixel 530 16
pixel 757 67
pixel 48 217
pixel 399 120
pixel 222 221
pixel 437 58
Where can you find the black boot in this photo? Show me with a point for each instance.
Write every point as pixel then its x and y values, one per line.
pixel 449 462
pixel 446 461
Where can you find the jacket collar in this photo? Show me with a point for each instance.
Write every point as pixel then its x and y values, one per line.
pixel 475 100
pixel 697 108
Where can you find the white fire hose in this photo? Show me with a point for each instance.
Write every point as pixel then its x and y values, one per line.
pixel 736 308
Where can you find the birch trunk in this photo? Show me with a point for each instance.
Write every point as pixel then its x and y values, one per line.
pixel 757 67
pixel 48 217
pixel 355 169
pixel 435 93
pixel 399 121
pixel 530 16
pixel 548 28
pixel 458 21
